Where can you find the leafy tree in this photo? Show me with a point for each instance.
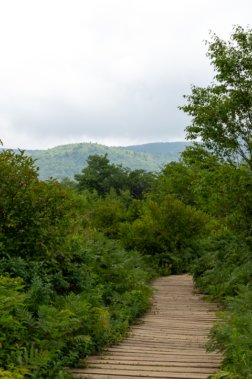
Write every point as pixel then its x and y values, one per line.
pixel 33 222
pixel 67 182
pixel 139 182
pixel 101 175
pixel 222 112
pixel 176 178
pixel 222 119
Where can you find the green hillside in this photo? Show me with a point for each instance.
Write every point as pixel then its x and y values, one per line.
pixel 169 150
pixel 67 160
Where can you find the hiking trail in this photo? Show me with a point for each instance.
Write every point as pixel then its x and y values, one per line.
pixel 167 343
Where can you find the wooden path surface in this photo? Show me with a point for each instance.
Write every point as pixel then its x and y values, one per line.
pixel 168 343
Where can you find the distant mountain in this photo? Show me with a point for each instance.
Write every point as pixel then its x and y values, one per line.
pixel 68 160
pixel 169 150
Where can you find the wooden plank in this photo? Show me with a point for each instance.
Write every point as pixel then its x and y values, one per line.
pixel 139 374
pixel 180 359
pixel 168 342
pixel 154 362
pixel 150 368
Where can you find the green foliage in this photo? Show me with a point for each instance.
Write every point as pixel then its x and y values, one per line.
pixel 139 183
pixel 218 175
pixel 106 214
pixel 65 290
pixel 168 230
pixel 221 112
pixel 11 374
pixel 224 265
pixel 224 272
pixel 178 179
pixel 12 331
pixel 219 189
pixel 110 290
pixel 32 222
pixel 103 177
pixel 69 183
pixel 233 336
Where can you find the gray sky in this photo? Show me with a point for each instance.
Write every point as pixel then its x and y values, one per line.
pixel 107 71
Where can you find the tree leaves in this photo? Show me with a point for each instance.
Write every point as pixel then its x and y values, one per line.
pixel 222 112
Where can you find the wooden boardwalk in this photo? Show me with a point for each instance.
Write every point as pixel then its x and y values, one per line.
pixel 168 343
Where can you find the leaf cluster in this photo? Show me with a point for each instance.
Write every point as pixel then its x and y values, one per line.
pixel 221 113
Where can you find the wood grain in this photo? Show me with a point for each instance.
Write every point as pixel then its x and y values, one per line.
pixel 168 343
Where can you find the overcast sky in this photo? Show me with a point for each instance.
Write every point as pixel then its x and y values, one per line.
pixel 106 71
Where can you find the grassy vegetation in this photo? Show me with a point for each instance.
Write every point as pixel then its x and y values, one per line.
pixel 68 160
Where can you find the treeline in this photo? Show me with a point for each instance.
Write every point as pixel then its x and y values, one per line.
pixel 77 257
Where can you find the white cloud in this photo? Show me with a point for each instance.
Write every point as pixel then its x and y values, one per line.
pixel 104 70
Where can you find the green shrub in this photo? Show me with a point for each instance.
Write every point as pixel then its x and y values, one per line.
pixel 168 230
pixel 65 290
pixel 11 374
pixel 233 336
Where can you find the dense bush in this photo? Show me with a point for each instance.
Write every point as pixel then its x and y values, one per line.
pixel 65 290
pixel 233 335
pixel 110 290
pixel 224 273
pixel 168 230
